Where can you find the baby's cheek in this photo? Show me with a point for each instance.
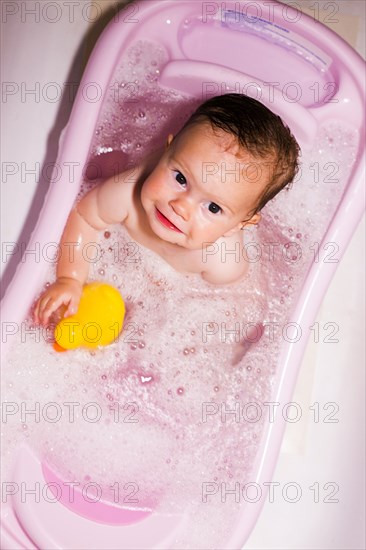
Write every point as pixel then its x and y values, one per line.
pixel 152 187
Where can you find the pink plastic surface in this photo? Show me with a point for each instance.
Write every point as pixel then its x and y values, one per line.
pixel 199 52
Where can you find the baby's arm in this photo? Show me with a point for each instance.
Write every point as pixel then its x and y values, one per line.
pixel 102 206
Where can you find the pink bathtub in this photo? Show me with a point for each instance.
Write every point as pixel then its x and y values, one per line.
pixel 318 80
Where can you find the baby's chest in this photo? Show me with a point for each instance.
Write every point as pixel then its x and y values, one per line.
pixel 182 260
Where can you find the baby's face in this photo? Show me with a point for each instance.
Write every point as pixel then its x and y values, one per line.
pixel 198 192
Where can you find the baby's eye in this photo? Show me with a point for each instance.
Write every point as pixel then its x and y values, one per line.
pixel 180 178
pixel 214 208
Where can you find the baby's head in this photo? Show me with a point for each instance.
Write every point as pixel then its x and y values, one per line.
pixel 255 131
pixel 230 158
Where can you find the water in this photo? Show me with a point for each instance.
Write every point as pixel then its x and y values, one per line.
pixel 177 402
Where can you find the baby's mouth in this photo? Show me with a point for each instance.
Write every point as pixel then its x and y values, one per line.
pixel 164 221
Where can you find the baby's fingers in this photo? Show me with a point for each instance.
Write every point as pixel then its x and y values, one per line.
pixel 48 306
pixel 44 310
pixel 72 307
pixel 39 309
pixel 36 312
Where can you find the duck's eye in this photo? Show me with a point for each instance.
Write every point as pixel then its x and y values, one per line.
pixel 180 178
pixel 214 208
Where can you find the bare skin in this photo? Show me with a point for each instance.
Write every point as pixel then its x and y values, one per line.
pixel 178 202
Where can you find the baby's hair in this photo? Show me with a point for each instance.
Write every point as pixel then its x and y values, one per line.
pixel 259 132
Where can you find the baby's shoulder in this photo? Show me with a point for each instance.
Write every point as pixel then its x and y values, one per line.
pixel 223 261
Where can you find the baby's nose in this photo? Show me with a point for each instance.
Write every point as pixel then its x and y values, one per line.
pixel 181 207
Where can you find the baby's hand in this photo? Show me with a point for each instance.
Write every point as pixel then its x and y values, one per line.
pixel 64 292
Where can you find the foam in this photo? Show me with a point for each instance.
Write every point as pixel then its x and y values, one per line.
pixel 178 354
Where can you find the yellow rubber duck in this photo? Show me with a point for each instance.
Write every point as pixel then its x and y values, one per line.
pixel 98 321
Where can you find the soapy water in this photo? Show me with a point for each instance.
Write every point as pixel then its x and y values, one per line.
pixel 153 409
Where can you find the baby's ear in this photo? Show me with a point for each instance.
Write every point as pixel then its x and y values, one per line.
pixel 169 140
pixel 254 220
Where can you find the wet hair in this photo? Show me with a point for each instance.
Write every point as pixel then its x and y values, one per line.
pixel 259 132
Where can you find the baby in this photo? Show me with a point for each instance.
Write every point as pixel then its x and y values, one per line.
pixel 212 179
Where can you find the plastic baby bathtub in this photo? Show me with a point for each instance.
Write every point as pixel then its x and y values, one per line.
pixel 208 45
